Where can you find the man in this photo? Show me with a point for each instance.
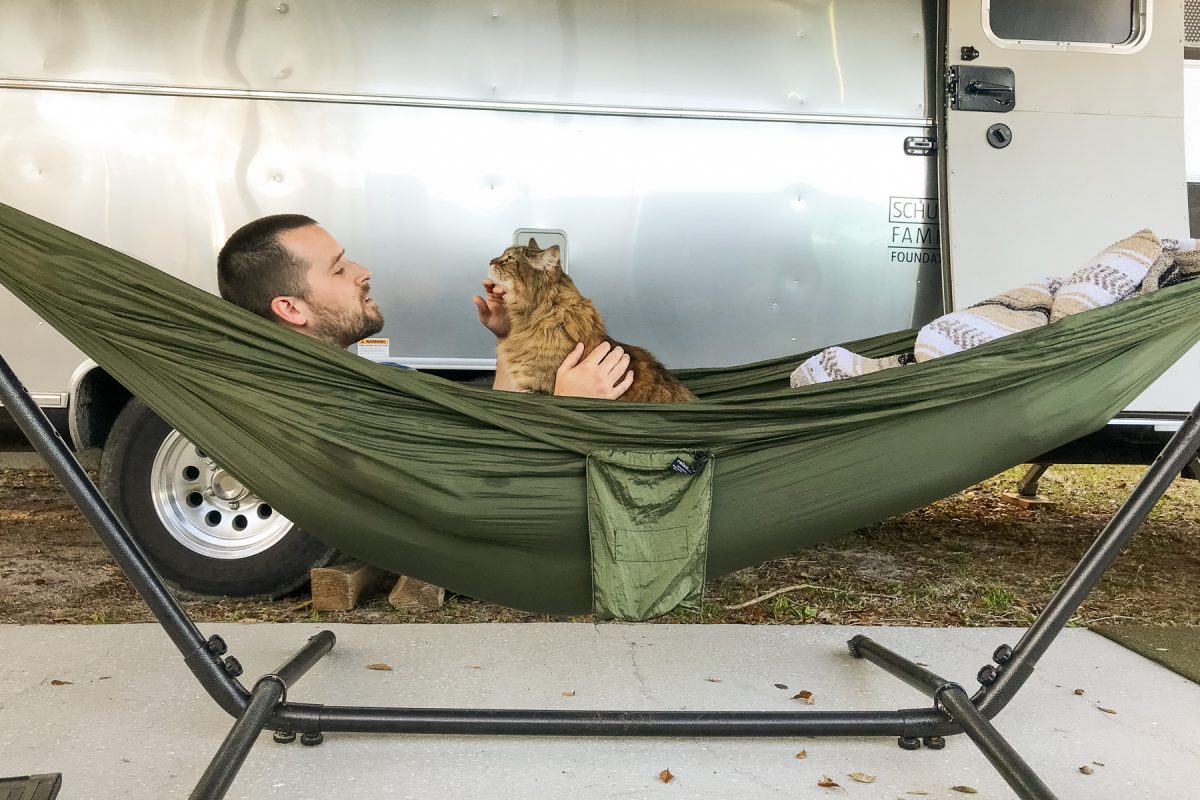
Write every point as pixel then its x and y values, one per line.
pixel 290 270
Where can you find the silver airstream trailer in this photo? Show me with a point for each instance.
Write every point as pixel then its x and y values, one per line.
pixel 730 181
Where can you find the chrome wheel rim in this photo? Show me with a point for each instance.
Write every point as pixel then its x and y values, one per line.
pixel 205 508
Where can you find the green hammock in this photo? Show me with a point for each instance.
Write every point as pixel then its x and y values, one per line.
pixel 487 493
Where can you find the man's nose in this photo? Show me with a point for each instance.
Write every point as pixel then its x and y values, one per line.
pixel 364 274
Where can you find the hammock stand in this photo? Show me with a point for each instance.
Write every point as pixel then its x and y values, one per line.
pixel 265 705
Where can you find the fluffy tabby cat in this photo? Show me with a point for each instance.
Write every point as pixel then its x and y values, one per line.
pixel 549 316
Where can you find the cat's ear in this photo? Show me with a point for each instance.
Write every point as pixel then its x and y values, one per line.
pixel 533 245
pixel 550 257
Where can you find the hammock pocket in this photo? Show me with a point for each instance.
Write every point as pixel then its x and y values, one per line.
pixel 490 493
pixel 648 519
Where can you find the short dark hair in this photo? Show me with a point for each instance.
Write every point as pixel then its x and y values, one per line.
pixel 253 268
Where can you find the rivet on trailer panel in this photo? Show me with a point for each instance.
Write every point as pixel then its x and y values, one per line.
pixel 283 73
pixel 282 8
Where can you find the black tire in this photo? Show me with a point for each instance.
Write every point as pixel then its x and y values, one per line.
pixel 191 535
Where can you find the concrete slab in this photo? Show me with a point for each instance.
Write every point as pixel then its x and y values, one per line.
pixel 131 722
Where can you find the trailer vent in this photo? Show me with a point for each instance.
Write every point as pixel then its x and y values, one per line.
pixel 1191 23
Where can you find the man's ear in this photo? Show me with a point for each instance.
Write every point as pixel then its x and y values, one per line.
pixel 290 310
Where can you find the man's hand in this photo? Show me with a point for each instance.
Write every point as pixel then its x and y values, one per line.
pixel 603 374
pixel 492 312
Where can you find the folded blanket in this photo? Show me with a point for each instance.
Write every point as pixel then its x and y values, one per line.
pixel 1016 310
pixel 835 363
pixel 1113 274
pixel 1135 265
pixel 1180 259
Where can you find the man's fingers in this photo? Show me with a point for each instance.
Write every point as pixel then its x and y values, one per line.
pixel 618 365
pixel 624 385
pixel 599 353
pixel 572 358
pixel 481 307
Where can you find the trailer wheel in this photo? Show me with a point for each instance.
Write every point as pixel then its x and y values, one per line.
pixel 205 532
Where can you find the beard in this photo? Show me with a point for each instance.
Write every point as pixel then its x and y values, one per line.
pixel 344 327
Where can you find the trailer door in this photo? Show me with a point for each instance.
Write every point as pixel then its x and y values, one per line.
pixel 1063 133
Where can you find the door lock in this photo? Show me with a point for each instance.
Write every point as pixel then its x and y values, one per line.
pixel 999 136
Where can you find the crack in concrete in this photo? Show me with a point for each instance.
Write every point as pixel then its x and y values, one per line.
pixel 637 670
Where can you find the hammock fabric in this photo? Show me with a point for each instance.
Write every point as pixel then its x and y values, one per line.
pixel 485 493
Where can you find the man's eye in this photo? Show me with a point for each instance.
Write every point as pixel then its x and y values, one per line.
pixel 339 271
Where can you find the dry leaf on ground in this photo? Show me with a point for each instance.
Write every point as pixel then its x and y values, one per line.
pixel 1106 710
pixel 713 680
pixel 805 696
pixel 569 694
pixel 1079 692
pixel 862 777
pixel 665 776
pixel 827 782
pixel 802 754
pixel 57 682
pixel 1086 770
pixel 965 789
pixel 380 667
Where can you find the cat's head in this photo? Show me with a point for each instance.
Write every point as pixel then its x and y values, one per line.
pixel 525 273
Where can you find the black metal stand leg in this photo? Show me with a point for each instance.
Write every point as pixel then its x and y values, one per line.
pixel 268 692
pixel 1010 675
pixel 995 747
pixel 201 656
pixel 955 701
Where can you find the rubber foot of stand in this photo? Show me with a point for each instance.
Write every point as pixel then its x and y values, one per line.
pixel 852 646
pixel 909 743
pixel 934 742
pixel 284 737
pixel 312 739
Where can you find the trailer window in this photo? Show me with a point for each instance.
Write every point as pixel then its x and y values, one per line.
pixel 1061 21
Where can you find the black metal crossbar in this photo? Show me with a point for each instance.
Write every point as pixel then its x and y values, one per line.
pixel 266 706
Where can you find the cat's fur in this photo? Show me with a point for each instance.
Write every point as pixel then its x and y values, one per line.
pixel 549 316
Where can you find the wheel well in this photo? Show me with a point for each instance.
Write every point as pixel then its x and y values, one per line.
pixel 95 404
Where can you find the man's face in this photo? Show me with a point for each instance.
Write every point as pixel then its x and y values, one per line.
pixel 338 307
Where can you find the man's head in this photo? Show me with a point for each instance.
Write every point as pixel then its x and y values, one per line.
pixel 288 269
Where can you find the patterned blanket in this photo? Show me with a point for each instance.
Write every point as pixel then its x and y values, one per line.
pixel 1135 265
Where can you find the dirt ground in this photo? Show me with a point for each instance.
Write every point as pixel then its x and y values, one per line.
pixel 970 559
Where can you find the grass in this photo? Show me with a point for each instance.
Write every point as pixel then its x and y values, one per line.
pixel 970 559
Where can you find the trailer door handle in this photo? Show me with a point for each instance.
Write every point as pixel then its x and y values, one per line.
pixel 973 88
pixel 999 92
